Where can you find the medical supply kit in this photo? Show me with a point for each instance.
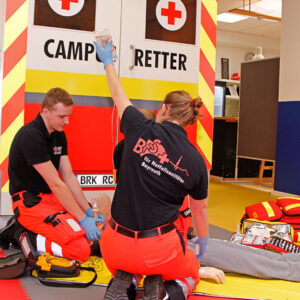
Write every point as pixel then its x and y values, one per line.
pixel 271 225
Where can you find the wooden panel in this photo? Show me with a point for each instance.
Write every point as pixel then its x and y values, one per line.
pixel 258 109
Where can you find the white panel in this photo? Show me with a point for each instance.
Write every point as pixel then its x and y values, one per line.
pixel 6 206
pixel 133 33
pixel 107 16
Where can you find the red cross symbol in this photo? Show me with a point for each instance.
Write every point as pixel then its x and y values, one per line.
pixel 66 4
pixel 171 13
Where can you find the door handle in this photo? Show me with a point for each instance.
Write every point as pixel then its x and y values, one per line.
pixel 132 48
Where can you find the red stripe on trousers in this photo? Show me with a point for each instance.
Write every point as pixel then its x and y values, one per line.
pixel 48 246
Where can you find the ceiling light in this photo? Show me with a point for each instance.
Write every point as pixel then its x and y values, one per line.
pixel 230 18
pixel 258 55
pixel 269 10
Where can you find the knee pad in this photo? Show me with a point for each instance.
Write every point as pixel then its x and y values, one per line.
pixel 174 290
pixel 78 249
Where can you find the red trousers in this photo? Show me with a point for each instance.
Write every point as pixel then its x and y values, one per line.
pixel 183 223
pixel 162 254
pixel 63 233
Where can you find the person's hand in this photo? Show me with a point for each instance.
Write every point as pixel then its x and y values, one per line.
pixel 212 273
pixel 202 242
pixel 105 55
pixel 89 212
pixel 90 227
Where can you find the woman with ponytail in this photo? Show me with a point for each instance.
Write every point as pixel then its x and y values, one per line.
pixel 159 168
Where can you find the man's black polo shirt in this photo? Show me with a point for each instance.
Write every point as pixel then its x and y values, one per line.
pixel 33 145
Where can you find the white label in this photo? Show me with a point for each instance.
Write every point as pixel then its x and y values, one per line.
pixel 74 225
pixel 96 180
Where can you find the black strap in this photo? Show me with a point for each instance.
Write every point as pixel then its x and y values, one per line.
pixel 141 234
pixel 56 283
pixel 181 240
pixel 186 213
pixel 50 218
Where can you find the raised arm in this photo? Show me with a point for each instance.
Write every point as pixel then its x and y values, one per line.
pixel 116 89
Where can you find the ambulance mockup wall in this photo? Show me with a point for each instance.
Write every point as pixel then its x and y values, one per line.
pixel 66 58
pixel 287 171
pixel 91 134
pixel 156 59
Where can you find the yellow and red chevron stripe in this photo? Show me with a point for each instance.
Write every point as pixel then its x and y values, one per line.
pixel 14 70
pixel 208 32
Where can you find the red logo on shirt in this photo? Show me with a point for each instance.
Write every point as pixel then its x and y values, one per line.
pixel 151 147
pixel 157 149
pixel 57 150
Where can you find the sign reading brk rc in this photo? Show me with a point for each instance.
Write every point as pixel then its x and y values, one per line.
pixel 96 180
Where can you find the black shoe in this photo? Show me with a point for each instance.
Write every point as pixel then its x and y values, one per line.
pixel 9 235
pixel 154 288
pixel 95 249
pixel 119 286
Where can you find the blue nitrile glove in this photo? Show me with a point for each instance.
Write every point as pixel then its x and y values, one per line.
pixel 89 226
pixel 105 55
pixel 202 242
pixel 89 212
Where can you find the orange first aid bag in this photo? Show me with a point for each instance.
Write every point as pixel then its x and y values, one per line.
pixel 290 206
pixel 266 211
pixel 291 214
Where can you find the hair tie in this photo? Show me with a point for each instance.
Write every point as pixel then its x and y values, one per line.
pixel 192 102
